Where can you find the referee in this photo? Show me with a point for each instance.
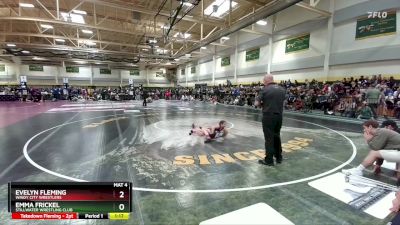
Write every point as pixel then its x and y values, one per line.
pixel 271 99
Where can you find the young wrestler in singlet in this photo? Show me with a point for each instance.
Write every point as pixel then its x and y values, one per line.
pixel 210 133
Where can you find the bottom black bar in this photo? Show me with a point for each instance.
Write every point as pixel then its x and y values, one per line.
pixel 93 216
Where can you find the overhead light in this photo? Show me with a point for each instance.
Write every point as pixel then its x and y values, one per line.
pixel 219 8
pixel 25 52
pixel 11 45
pixel 187 55
pixel 225 38
pixel 98 63
pixel 261 22
pixel 153 41
pixel 204 47
pixel 156 46
pixel 38 58
pixel 177 59
pixel 166 26
pixel 89 43
pixel 182 35
pixel 59 40
pixel 162 51
pixel 168 64
pixel 73 17
pixel 80 62
pixel 46 26
pixel 26 5
pixel 145 49
pixel 79 12
pixel 188 4
pixel 87 31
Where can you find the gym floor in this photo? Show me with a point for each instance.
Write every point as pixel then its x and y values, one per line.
pixel 177 178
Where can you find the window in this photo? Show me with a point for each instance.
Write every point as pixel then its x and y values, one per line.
pixel 219 8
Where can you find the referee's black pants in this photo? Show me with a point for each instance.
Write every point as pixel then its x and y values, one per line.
pixel 272 124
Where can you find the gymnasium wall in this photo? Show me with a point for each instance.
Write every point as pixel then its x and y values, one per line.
pixel 206 70
pixel 347 56
pixel 340 4
pixel 192 77
pixel 285 19
pixel 8 75
pixel 386 68
pixel 142 78
pixel 87 76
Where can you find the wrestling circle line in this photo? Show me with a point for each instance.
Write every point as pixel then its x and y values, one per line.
pixel 33 163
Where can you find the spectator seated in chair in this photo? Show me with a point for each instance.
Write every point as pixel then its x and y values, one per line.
pixel 384 145
pixel 365 112
pixel 298 105
pixel 342 107
pixel 391 125
pixel 350 110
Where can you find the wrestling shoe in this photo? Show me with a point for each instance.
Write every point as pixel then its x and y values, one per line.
pixel 207 141
pixel 353 171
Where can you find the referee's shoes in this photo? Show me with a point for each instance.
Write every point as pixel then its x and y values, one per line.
pixel 262 161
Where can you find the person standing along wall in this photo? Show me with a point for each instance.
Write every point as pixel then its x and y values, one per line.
pixel 145 96
pixel 271 99
pixel 372 97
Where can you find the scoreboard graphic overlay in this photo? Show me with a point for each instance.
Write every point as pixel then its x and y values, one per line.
pixel 67 200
